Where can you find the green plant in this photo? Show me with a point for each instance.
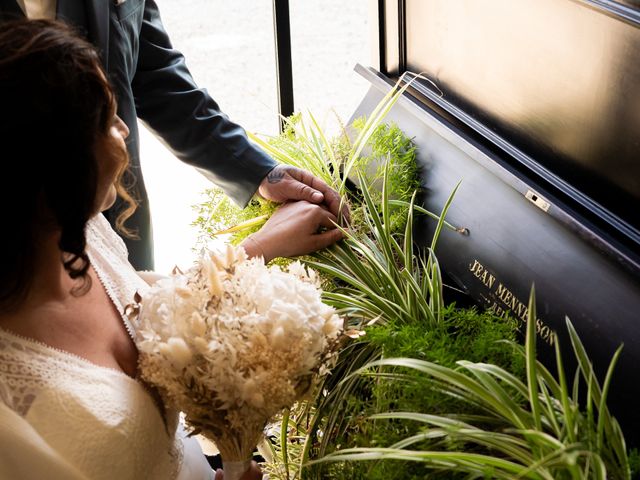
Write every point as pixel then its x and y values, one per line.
pixel 537 428
pixel 381 279
pixel 305 145
pixel 380 274
pixel 463 333
pixel 218 215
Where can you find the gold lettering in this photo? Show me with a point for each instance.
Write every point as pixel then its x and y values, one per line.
pixel 503 293
pixel 513 303
pixel 474 266
pixel 488 279
pixel 497 310
pixel 482 274
pixel 500 289
pixel 509 303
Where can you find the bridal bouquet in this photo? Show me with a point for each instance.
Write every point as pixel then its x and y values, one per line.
pixel 232 342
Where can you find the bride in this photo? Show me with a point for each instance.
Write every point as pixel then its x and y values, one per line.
pixel 71 405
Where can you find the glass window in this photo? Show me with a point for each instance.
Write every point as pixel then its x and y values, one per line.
pixel 229 48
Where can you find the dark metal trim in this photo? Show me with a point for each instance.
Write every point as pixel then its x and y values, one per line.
pixel 284 70
pixel 382 38
pixel 392 36
pixel 402 36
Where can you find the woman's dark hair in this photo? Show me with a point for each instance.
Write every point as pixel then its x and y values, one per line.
pixel 55 102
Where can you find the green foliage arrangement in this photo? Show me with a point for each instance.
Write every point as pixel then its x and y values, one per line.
pixel 399 396
pixel 218 215
pixel 398 292
pixel 506 427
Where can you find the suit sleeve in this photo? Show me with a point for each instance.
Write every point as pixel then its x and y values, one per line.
pixel 170 103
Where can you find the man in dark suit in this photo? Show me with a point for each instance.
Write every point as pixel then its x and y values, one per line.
pixel 153 83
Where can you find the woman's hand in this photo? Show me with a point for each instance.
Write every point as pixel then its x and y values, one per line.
pixel 254 473
pixel 296 228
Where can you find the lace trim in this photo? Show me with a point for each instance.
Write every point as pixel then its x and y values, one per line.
pixel 108 256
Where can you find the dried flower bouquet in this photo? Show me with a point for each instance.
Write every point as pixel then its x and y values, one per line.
pixel 232 342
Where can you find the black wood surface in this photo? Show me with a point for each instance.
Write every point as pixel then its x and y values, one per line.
pixel 520 234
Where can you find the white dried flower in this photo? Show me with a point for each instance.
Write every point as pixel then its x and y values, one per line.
pixel 176 351
pixel 231 342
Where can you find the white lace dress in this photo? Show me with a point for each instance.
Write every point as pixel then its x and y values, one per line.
pixel 63 417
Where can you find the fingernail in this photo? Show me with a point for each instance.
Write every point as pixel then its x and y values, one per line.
pixel 317 197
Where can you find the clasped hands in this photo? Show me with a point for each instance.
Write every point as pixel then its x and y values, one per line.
pixel 307 221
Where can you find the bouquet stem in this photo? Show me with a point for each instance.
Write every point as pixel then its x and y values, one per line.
pixel 235 470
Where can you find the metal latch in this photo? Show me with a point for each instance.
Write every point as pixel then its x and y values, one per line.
pixel 537 200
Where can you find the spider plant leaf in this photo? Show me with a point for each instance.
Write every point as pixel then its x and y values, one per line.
pixel 415 300
pixel 603 412
pixel 437 299
pixel 530 359
pixel 374 119
pixel 384 202
pixel 443 214
pixel 253 222
pixel 374 217
pixel 430 434
pixel 567 407
pixel 284 441
pixel 326 145
pixel 546 461
pixel 500 373
pixel 408 236
pixel 594 394
pixel 508 444
pixel 517 415
pixel 450 376
pixel 552 415
pixel 465 461
pixel 276 153
pixel 424 211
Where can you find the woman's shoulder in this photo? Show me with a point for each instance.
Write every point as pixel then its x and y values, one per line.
pixel 109 258
pixel 100 234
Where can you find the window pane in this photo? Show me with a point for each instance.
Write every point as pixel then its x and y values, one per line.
pixel 328 38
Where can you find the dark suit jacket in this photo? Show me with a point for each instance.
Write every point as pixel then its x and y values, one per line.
pixel 153 83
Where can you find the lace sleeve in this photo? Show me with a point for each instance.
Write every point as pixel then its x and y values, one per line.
pixel 108 255
pixel 99 229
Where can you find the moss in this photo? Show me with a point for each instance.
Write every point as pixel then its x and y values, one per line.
pixel 634 463
pixel 464 334
pixel 388 145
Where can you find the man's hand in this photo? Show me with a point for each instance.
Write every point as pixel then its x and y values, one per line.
pixel 286 183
